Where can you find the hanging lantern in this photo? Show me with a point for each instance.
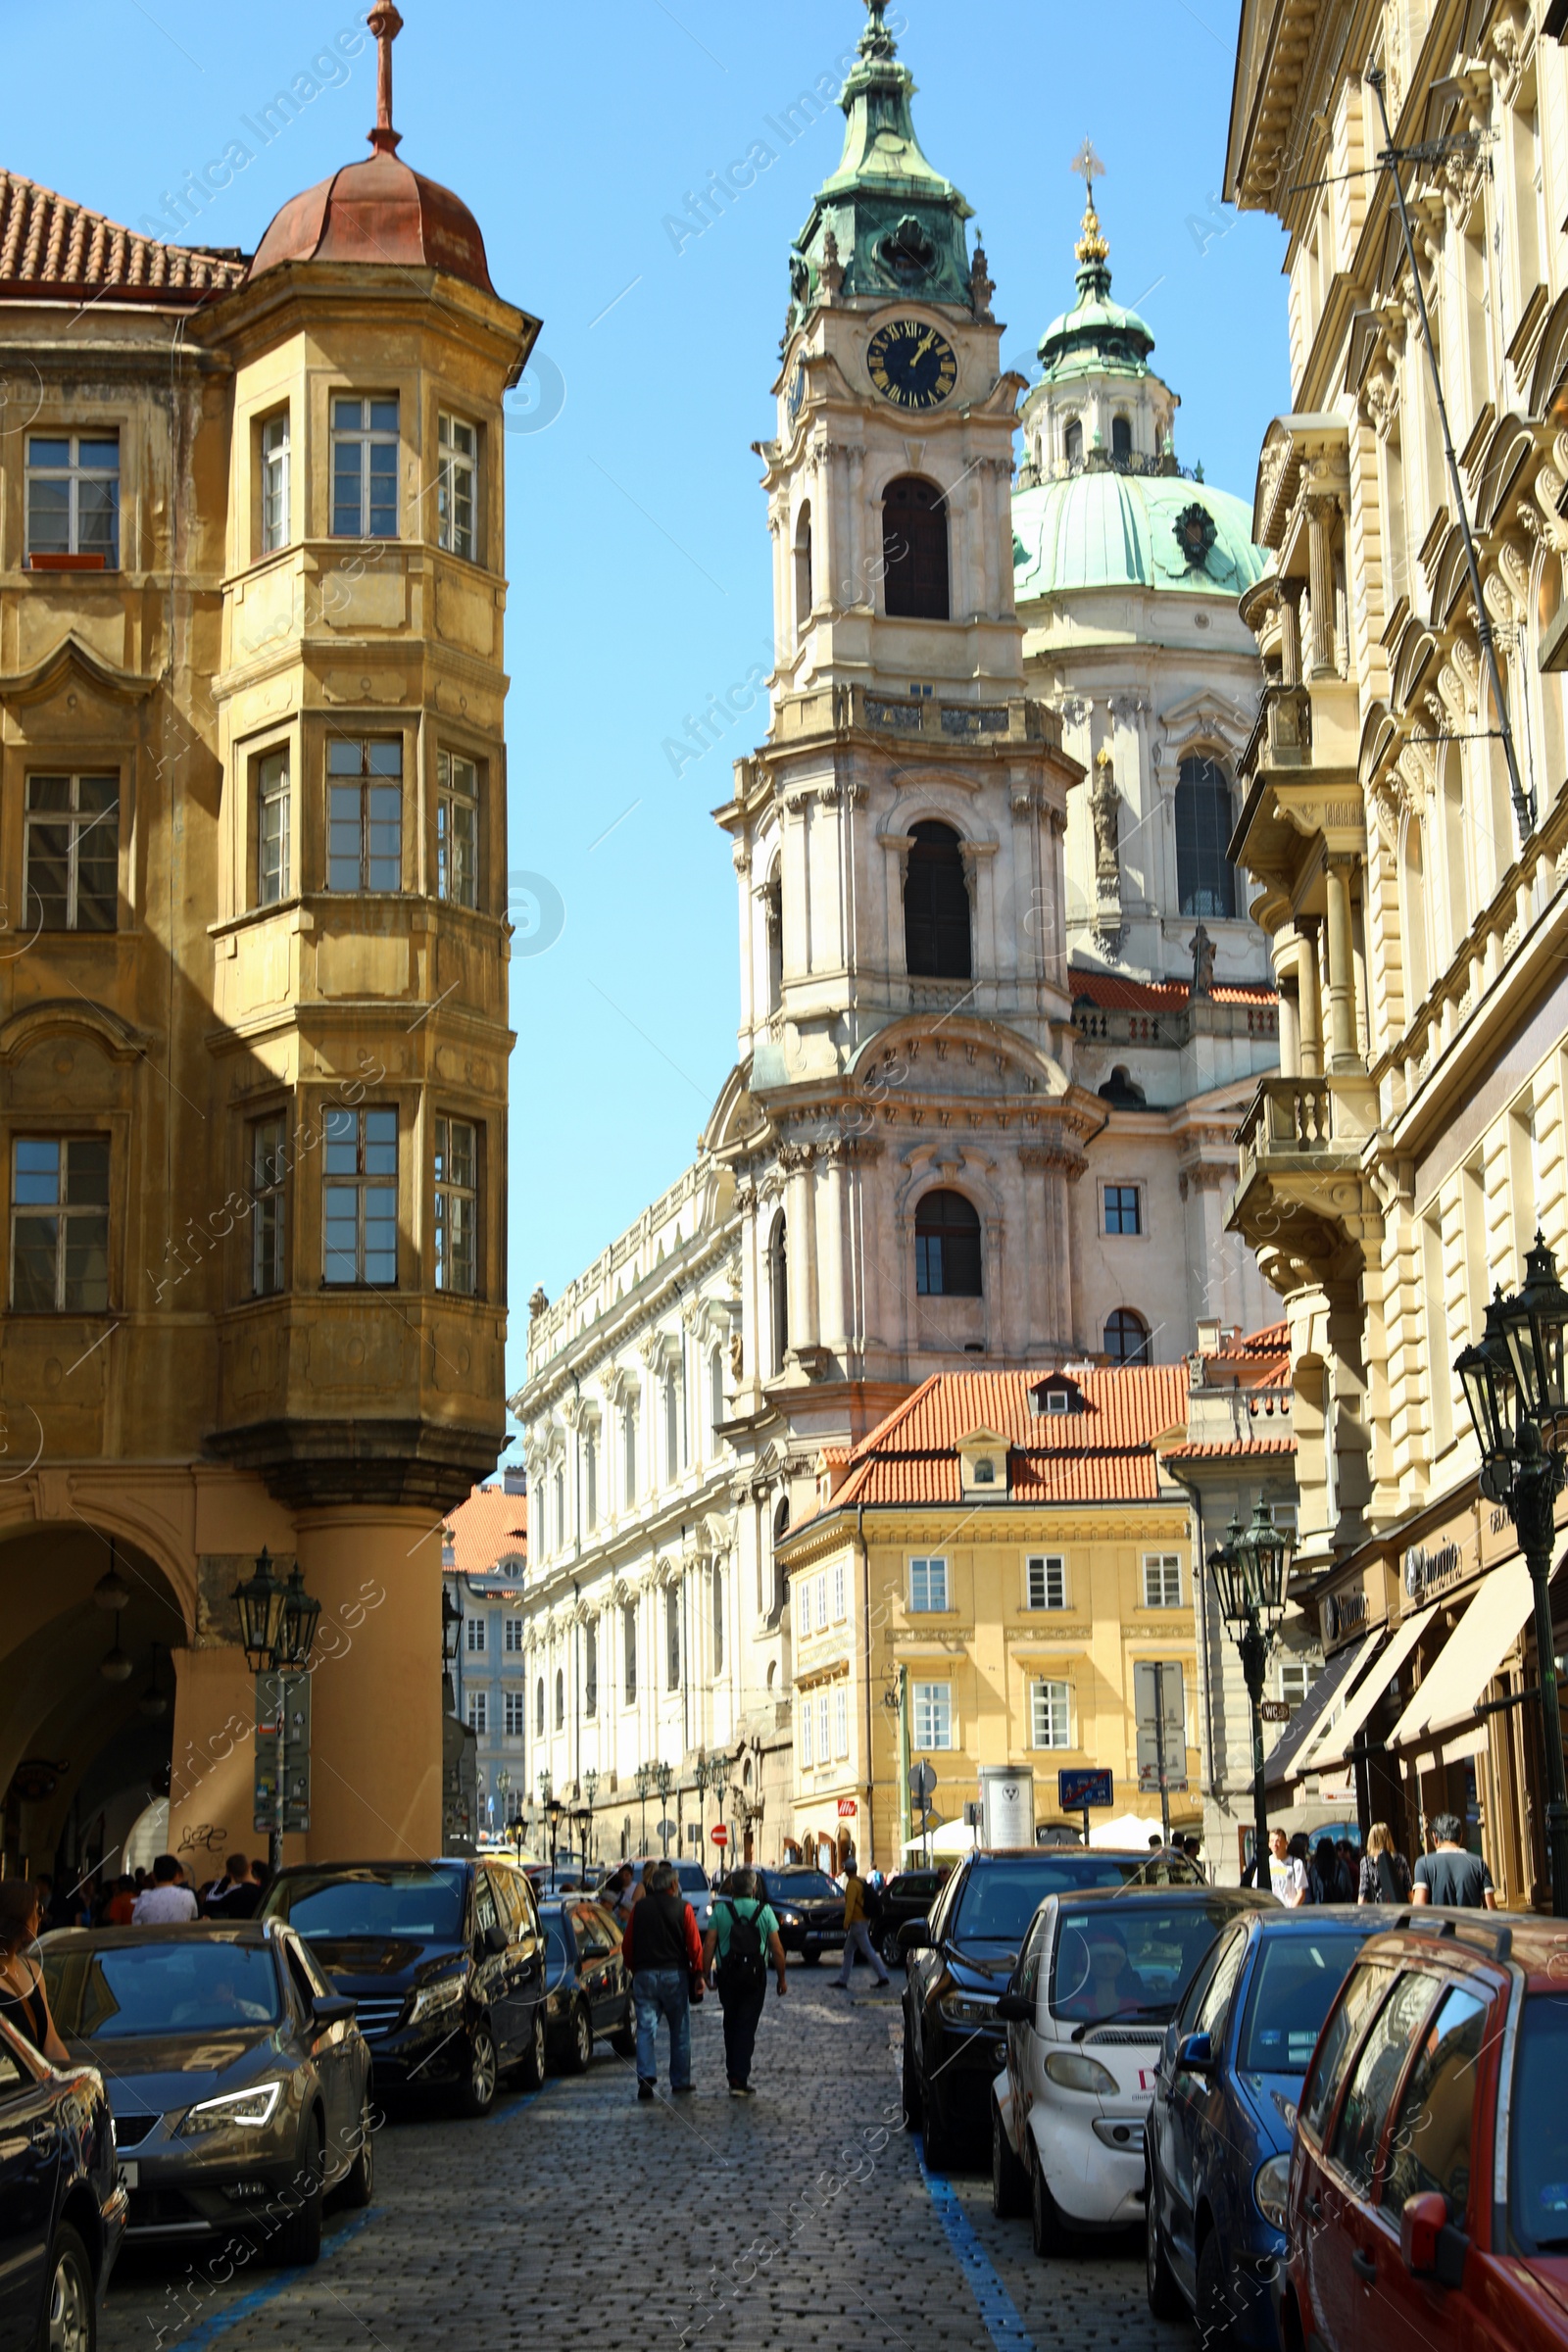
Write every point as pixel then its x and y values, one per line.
pixel 1535 1322
pixel 260 1600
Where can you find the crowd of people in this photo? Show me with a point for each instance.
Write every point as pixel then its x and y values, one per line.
pixel 160 1896
pixel 1334 1872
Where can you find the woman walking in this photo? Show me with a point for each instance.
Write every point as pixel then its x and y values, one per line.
pixel 1384 1872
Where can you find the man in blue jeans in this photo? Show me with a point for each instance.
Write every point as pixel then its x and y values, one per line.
pixel 663 1950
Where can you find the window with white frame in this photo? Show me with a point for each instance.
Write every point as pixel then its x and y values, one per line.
pixel 841 1719
pixel 517 1706
pixel 271 828
pixel 365 468
pixel 628 1442
pixel 72 853
pixel 1048 1715
pixel 628 1644
pixel 1047 1582
pixel 476 1634
pixel 480 1712
pixel 1162 1580
pixel 590 1480
pixel 928 1584
pixel 805 1729
pixel 73 498
pixel 802 1604
pixel 457 1211
pixel 1295 1678
pixel 456 485
pixel 824 1727
pixel 838 1592
pixel 821 1602
pixel 932 1715
pixel 511 1635
pixel 456 829
pixel 269 1170
pixel 274 482
pixel 364 815
pixel 60 1224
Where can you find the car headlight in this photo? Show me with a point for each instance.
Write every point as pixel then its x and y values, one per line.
pixel 248 2110
pixel 1271 2190
pixel 1072 2070
pixel 438 1994
pixel 968 2008
pixel 789 1919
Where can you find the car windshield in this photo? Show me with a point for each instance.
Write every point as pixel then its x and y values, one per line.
pixel 170 1987
pixel 1293 1993
pixel 1537 2153
pixel 800 1886
pixel 693 1878
pixel 1001 1899
pixel 1137 1959
pixel 325 1904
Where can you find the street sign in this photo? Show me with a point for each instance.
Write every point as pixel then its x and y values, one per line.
pixel 719 1834
pixel 922 1784
pixel 1076 1791
pixel 282 1707
pixel 665 1829
pixel 847 1808
pixel 1276 1710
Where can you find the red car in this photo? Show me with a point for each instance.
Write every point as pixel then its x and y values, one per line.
pixel 1428 2199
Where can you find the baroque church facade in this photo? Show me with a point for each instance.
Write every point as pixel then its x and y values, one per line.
pixel 902 1172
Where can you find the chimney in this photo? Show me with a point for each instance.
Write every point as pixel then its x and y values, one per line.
pixel 1208 1337
pixel 513 1482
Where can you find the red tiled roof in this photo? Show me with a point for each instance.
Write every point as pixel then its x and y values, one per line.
pixel 487 1526
pixel 1102 1453
pixel 47 241
pixel 1273 1339
pixel 1214 1449
pixel 1111 993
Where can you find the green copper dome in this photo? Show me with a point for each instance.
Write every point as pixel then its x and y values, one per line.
pixel 1105 529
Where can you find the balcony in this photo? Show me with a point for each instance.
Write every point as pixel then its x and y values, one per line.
pixel 1302 1204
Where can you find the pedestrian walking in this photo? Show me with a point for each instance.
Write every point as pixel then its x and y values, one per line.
pixel 1451 1874
pixel 235 1894
pixel 857 1931
pixel 664 1951
pixel 742 1938
pixel 1286 1871
pixel 23 2000
pixel 1384 1872
pixel 167 1902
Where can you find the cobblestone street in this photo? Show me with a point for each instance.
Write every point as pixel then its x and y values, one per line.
pixel 800 2218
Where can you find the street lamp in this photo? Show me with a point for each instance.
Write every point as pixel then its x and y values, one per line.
pixel 1249 1570
pixel 503 1785
pixel 590 1780
pixel 1516 1384
pixel 645 1777
pixel 277 1627
pixel 555 1806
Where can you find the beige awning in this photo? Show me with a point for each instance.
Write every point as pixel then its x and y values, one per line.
pixel 1334 1741
pixel 1469 1658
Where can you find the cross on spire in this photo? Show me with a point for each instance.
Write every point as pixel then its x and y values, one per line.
pixel 1091 250
pixel 385 24
pixel 1089 168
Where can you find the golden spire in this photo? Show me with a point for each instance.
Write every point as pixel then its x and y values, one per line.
pixel 1092 250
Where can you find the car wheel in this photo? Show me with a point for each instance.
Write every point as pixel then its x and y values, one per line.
pixel 581 2040
pixel 531 2069
pixel 1048 2232
pixel 71 2323
pixel 889 1948
pixel 1009 2183
pixel 1159 2282
pixel 360 2181
pixel 477 2094
pixel 298 2241
pixel 1214 2313
pixel 911 2086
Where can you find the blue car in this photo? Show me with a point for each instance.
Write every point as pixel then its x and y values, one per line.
pixel 1217 2147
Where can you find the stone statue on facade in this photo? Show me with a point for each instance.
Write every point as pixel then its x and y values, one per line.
pixel 1202 952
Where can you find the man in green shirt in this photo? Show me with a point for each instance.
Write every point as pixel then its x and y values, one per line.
pixel 743 1936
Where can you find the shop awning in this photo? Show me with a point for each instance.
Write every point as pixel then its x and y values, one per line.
pixel 1448 1695
pixel 1336 1739
pixel 1282 1763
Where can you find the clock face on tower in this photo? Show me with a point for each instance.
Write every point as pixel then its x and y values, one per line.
pixel 912 365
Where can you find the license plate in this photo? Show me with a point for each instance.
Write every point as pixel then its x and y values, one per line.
pixel 129 2171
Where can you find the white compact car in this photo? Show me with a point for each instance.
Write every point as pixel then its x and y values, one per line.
pixel 1097 1979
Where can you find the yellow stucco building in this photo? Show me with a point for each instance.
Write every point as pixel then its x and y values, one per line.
pixel 989 1580
pixel 253 989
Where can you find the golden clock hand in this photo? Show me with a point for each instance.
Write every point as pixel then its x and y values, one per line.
pixel 922 347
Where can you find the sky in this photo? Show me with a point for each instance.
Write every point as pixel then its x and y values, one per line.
pixel 637 542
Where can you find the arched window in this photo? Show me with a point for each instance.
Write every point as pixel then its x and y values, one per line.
pixel 947 1247
pixel 560 1700
pixel 803 569
pixel 914 550
pixel 1073 443
pixel 1121 437
pixel 715 1394
pixel 1206 883
pixel 718 1618
pixel 1413 915
pixel 539 1708
pixel 936 905
pixel 774 922
pixel 778 1284
pixel 1126 1337
pixel 590 1667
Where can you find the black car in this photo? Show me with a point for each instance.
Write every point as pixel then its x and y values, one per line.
pixel 62 2209
pixel 809 1908
pixel 910 1894
pixel 588 1986
pixel 958 1962
pixel 239 2081
pixel 445 1963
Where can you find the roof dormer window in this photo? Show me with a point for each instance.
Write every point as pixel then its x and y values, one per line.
pixel 1056 1395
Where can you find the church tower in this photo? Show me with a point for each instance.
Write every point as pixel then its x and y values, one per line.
pixel 901 1126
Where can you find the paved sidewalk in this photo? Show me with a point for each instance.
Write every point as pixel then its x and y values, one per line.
pixel 795 2218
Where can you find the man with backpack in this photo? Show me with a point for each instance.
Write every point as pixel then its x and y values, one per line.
pixel 661 1949
pixel 863 1909
pixel 743 1935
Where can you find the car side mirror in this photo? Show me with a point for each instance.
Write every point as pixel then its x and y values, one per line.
pixel 493 1940
pixel 1016 2007
pixel 335 2010
pixel 1196 2055
pixel 1430 2247
pixel 914 1937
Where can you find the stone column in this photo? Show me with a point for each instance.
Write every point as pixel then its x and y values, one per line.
pixel 1341 967
pixel 1289 632
pixel 1309 1008
pixel 1321 514
pixel 830 1235
pixel 800 1243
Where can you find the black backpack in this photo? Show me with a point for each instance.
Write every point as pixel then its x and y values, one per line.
pixel 742 1965
pixel 872 1902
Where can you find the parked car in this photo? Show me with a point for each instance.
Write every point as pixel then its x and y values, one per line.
pixel 444 1960
pixel 1428 2196
pixel 957 1962
pixel 1096 1980
pixel 1217 2152
pixel 239 2080
pixel 908 1894
pixel 62 2206
pixel 809 1910
pixel 587 1984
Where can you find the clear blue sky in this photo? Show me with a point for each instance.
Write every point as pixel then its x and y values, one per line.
pixel 637 539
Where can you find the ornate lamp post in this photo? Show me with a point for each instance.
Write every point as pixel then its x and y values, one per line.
pixel 1249 1570
pixel 554 1807
pixel 1514 1384
pixel 645 1777
pixel 277 1627
pixel 664 1781
pixel 590 1782
pixel 504 1786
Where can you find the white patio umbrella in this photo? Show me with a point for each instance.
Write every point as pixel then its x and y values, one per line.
pixel 1131 1830
pixel 952 1837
